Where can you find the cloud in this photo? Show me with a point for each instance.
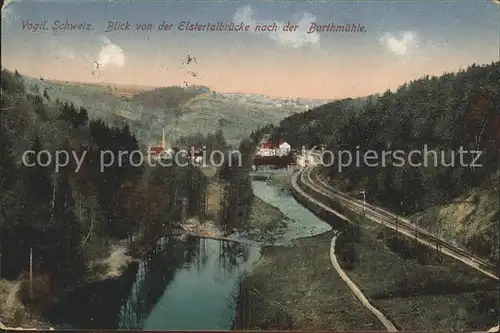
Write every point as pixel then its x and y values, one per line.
pixel 294 39
pixel 299 37
pixel 61 51
pixel 403 45
pixel 244 15
pixel 9 13
pixel 66 53
pixel 111 54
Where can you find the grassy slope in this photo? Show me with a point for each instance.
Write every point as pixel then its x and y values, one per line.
pixel 297 288
pixel 237 116
pixel 417 288
pixel 169 97
pixel 101 101
pixel 262 216
pixel 471 221
pixel 182 111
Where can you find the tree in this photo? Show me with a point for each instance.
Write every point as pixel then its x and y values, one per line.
pixel 220 140
pixel 68 262
pixel 82 117
pixel 36 205
pixel 9 204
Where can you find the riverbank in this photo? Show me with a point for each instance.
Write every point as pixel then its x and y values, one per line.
pixel 115 264
pixel 282 179
pixel 302 291
pixel 13 313
pixel 263 216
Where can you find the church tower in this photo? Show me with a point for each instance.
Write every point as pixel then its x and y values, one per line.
pixel 163 142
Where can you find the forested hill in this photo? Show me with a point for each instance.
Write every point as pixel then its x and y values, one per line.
pixel 445 113
pixel 67 218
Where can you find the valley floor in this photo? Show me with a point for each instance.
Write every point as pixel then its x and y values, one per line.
pixel 410 284
pixel 302 292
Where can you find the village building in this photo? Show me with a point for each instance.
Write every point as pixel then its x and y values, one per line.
pixel 268 149
pixel 196 156
pixel 157 152
pixel 272 149
pixel 284 147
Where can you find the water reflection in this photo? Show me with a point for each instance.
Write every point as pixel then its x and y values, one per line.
pixel 232 256
pixel 188 284
pixel 153 276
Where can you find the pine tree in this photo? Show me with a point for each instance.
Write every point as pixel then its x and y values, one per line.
pixel 7 172
pixel 220 140
pixel 9 202
pixel 69 263
pixel 36 207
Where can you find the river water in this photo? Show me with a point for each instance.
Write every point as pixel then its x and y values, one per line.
pixel 189 284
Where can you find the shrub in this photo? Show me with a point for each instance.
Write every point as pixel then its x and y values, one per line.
pixel 42 294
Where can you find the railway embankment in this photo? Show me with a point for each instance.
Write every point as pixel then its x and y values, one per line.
pixel 416 286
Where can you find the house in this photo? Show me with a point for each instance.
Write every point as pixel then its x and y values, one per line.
pixel 268 149
pixel 268 145
pixel 196 153
pixel 155 150
pixel 284 147
pixel 196 156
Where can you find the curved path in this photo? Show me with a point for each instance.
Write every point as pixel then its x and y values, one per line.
pixel 355 289
pixel 357 292
pixel 6 328
pixel 11 297
pixel 494 329
pixel 9 304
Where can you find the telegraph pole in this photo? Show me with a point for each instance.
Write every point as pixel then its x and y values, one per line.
pixel 222 201
pixel 438 250
pixel 364 200
pixel 416 231
pixel 400 208
pixel 31 273
pixel 205 199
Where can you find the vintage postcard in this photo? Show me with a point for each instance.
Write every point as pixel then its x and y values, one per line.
pixel 250 165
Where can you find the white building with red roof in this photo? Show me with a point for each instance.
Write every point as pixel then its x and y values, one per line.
pixel 272 149
pixel 284 147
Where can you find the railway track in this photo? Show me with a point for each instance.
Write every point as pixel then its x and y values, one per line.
pixel 323 192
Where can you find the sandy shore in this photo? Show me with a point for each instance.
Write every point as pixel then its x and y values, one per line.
pixel 116 262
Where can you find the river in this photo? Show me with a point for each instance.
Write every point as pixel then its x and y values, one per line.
pixel 188 284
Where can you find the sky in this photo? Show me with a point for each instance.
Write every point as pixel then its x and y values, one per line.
pixel 401 41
